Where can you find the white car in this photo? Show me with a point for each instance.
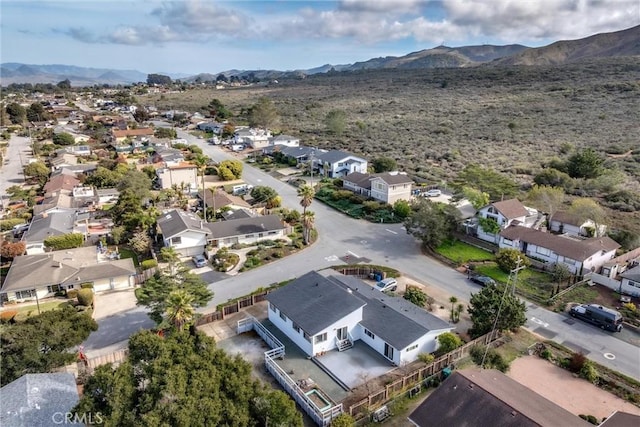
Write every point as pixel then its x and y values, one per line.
pixel 432 193
pixel 385 285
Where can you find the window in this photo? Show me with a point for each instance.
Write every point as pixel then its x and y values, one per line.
pixel 54 288
pixel 272 307
pixel 507 241
pixel 296 328
pixel 248 236
pixel 71 286
pixel 306 336
pixel 569 261
pixel 176 240
pixel 369 334
pixel 26 294
pixel 413 347
pixel 543 251
pixel 320 338
pixel 282 316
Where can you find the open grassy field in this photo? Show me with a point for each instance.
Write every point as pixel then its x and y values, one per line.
pixel 461 252
pixel 434 122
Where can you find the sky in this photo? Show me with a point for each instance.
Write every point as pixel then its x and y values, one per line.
pixel 198 36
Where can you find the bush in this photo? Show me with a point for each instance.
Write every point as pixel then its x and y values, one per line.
pixel 589 372
pixel 507 259
pixel 72 293
pixel 426 358
pixel 8 224
pixel 415 296
pixel 577 362
pixel 85 297
pixel 590 418
pixel 493 359
pixel 86 286
pixel 65 241
pixel 148 264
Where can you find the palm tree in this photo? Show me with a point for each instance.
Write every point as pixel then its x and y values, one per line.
pixel 201 162
pixel 453 301
pixel 308 221
pixel 180 311
pixel 170 256
pixel 307 193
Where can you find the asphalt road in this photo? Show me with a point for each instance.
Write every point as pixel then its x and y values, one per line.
pixel 18 154
pixel 341 237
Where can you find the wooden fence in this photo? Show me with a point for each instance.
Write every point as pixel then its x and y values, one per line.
pixel 233 307
pixel 361 272
pixel 414 378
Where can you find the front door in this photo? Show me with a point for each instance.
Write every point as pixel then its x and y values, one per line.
pixel 388 351
pixel 342 333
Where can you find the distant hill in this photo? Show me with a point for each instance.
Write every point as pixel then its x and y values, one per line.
pixel 619 43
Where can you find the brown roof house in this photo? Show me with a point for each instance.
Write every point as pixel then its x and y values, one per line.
pixel 506 213
pixel 474 397
pixel 218 199
pixel 387 187
pixel 564 222
pixel 578 254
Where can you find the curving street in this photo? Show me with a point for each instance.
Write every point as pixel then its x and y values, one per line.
pixel 384 244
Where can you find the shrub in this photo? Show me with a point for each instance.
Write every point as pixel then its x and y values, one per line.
pixel 493 359
pixel 343 420
pixel 85 297
pixel 148 264
pixel 589 372
pixel 546 354
pixel 448 342
pixel 426 358
pixel 416 296
pixel 577 362
pixel 8 224
pixel 507 259
pixel 72 293
pixel 65 241
pixel 86 286
pixel 590 418
pixel 278 254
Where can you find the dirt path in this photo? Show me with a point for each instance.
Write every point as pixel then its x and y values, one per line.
pixel 561 387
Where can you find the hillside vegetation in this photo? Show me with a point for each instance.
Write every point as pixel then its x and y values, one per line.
pixel 434 122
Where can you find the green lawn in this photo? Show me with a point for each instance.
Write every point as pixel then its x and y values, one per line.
pixel 532 283
pixel 461 252
pixel 128 253
pixel 26 310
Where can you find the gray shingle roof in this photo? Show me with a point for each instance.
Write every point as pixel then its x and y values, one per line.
pixel 313 302
pixel 317 300
pixel 511 208
pixel 243 226
pixel 175 222
pixel 362 180
pixel 33 399
pixel 58 267
pixel 51 224
pixel 395 320
pixel 333 156
pixel 632 274
pixel 570 247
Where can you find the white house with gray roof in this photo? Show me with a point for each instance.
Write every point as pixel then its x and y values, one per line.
pixel 247 230
pixel 387 187
pixel 324 311
pixel 183 231
pixel 336 163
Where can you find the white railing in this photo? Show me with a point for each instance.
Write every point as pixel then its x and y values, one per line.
pixel 321 417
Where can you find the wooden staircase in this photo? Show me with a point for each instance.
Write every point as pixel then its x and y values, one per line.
pixel 344 344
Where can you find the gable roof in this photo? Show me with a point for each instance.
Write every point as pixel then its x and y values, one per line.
pixel 33 399
pixel 175 222
pixel 50 224
pixel 333 156
pixel 60 182
pixel 566 218
pixel 487 397
pixel 243 226
pixel 238 213
pixel 363 180
pixel 621 419
pixel 511 208
pixel 395 320
pixel 313 302
pixel 319 299
pixel 220 199
pixel 59 267
pixel 571 247
pixel 632 274
pixel 360 179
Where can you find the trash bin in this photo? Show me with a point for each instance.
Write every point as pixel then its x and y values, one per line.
pixel 377 276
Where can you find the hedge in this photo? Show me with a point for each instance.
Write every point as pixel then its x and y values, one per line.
pixel 148 264
pixel 8 224
pixel 85 297
pixel 65 241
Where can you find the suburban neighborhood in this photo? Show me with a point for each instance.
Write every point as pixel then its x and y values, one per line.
pixel 366 294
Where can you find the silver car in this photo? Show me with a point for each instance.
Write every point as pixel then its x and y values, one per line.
pixel 385 285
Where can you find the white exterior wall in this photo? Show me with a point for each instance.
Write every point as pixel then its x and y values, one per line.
pixel 288 142
pixel 192 243
pixel 573 230
pixel 167 177
pixel 286 326
pixel 597 260
pixel 630 287
pixel 379 190
pixel 120 282
pixel 255 238
pixel 351 321
pixel 426 344
pixel 390 194
pixel 376 343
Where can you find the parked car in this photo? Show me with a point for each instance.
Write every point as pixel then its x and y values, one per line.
pixel 432 193
pixel 603 317
pixel 199 261
pixel 482 280
pixel 385 285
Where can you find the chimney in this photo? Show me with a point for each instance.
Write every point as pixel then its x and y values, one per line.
pixel 59 265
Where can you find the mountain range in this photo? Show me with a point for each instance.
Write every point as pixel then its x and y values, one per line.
pixel 619 43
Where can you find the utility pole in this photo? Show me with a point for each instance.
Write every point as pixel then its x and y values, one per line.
pixel 515 274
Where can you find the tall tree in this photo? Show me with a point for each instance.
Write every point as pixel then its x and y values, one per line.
pixel 180 311
pixel 155 291
pixel 63 138
pixel 37 170
pixel 158 79
pixel 183 379
pixel 201 161
pixel 306 193
pixel 308 221
pixel 487 180
pixel 431 222
pixel 42 343
pixel 384 164
pixel 135 181
pixel 588 209
pixel 495 302
pixel 477 198
pixel 263 114
pixel 545 198
pixel 17 113
pixel 585 164
pixel 336 121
